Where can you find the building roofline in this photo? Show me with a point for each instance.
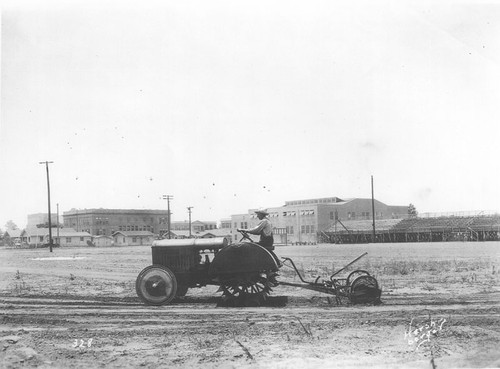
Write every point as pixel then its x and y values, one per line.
pixel 114 211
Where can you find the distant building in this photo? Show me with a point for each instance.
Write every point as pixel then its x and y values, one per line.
pixel 67 239
pixel 105 222
pixel 103 241
pixel 196 226
pixel 12 236
pixel 179 234
pixel 41 218
pixel 64 237
pixel 300 221
pixel 226 233
pixel 133 238
pixel 225 223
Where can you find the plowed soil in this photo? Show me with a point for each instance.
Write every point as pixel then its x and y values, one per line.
pixel 77 308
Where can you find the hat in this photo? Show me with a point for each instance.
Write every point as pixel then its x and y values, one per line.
pixel 261 211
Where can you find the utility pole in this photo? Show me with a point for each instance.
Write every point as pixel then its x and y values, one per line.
pixel 189 210
pixel 168 198
pixel 373 213
pixel 48 192
pixel 58 240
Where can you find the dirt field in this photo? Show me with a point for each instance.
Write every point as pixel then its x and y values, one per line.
pixel 77 308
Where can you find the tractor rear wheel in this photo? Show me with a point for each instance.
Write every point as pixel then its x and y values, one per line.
pixel 245 289
pixel 156 285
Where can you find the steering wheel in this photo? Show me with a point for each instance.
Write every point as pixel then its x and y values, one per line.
pixel 245 236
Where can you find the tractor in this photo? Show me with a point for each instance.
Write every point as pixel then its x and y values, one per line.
pixel 244 271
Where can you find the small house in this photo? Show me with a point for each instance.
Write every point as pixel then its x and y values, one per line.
pixel 103 241
pixel 133 238
pixel 37 237
pixel 12 236
pixel 70 238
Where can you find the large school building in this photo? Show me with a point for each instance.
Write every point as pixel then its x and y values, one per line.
pixel 106 222
pixel 302 221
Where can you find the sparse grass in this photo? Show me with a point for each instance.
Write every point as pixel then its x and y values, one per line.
pixel 420 266
pixel 20 286
pixel 424 274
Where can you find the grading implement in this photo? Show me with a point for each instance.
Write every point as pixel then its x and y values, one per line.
pixel 245 272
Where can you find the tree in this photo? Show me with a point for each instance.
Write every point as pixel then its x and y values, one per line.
pixel 10 225
pixel 412 211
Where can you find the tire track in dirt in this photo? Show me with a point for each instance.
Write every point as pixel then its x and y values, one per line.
pixel 194 332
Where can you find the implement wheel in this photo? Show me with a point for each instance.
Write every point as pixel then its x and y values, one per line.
pixel 156 285
pixel 364 290
pixel 353 275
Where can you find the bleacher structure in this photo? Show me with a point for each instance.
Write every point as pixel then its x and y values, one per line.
pixel 416 229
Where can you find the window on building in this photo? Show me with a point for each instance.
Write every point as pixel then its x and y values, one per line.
pixel 81 238
pixel 312 228
pixel 303 229
pixel 331 215
pixel 68 239
pixel 134 239
pixel 307 228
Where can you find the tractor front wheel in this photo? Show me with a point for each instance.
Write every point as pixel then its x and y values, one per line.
pixel 156 285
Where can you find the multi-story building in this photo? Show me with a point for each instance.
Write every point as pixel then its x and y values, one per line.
pixel 225 223
pixel 300 221
pixel 108 221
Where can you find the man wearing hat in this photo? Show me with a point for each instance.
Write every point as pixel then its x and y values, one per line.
pixel 264 229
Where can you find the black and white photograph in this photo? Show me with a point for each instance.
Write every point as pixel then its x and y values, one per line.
pixel 267 184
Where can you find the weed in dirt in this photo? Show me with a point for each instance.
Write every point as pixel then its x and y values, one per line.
pixel 21 287
pixel 428 287
pixel 400 267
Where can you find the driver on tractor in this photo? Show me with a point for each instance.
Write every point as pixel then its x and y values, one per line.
pixel 264 229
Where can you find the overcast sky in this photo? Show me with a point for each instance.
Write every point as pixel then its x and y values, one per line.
pixel 230 105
